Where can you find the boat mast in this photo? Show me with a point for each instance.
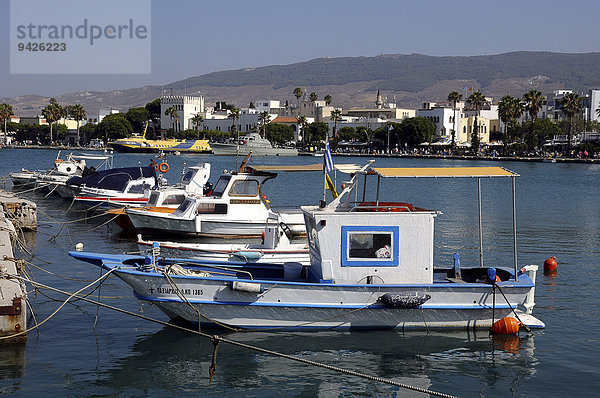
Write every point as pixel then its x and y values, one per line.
pixel 480 223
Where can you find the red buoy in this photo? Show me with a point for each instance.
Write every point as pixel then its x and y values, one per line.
pixel 506 325
pixel 550 266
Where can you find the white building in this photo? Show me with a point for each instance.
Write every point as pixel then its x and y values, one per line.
pixel 187 107
pixel 102 113
pixel 444 118
pixel 594 95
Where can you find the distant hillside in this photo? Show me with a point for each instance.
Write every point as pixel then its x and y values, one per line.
pixel 413 72
pixel 352 81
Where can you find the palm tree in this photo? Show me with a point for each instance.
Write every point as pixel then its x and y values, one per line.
pixel 53 112
pixel 477 101
pixel 6 111
pixel 336 115
pixel 302 122
pixel 509 109
pixel 327 99
pixel 264 118
pixel 77 112
pixel 454 97
pixel 533 102
pixel 234 113
pixel 173 114
pixel 298 93
pixel 197 120
pixel 313 96
pixel 571 104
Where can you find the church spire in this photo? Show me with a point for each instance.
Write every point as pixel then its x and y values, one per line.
pixel 379 100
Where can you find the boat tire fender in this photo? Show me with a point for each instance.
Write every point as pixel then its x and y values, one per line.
pixel 404 300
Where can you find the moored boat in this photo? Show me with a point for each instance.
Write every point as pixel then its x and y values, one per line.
pixel 251 143
pixel 371 268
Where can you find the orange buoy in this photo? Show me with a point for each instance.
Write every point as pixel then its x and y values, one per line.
pixel 506 325
pixel 550 266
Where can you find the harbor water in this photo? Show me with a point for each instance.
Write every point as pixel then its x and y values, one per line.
pixel 84 350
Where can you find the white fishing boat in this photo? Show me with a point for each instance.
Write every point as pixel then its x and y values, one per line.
pixel 62 170
pixel 251 143
pixel 235 207
pixel 371 268
pixel 275 248
pixel 166 199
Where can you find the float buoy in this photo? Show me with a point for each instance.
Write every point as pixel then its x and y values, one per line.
pixel 506 325
pixel 163 167
pixel 550 266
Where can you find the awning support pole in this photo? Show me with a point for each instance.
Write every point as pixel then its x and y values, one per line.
pixel 377 199
pixel 480 223
pixel 514 203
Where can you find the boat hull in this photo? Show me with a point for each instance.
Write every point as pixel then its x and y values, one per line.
pixel 293 305
pixel 242 150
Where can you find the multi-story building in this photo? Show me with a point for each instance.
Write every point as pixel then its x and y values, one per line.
pixel 444 118
pixel 187 107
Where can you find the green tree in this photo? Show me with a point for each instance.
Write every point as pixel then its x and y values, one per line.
pixel 88 131
pixel 327 99
pixel 197 120
pixel 317 131
pixel 6 111
pixel 53 112
pixel 251 106
pixel 533 102
pixel 298 93
pixel 113 127
pixel 454 97
pixel 335 116
pixel 174 115
pixel 539 130
pixel 416 130
pixel 477 101
pixel 138 117
pixel 347 133
pixel 509 109
pixel 77 112
pixel 234 113
pixel 313 96
pixel 264 119
pixel 571 105
pixel 153 109
pixel 279 132
pixel 302 123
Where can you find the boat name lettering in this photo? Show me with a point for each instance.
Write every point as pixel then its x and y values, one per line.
pixel 245 201
pixel 171 290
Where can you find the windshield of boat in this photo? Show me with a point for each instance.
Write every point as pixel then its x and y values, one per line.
pixel 188 176
pixel 184 206
pixel 153 198
pixel 244 188
pixel 221 185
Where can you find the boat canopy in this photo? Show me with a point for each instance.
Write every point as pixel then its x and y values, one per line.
pixel 115 179
pixel 344 168
pixel 440 172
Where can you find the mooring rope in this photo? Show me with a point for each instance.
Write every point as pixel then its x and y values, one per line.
pixel 217 338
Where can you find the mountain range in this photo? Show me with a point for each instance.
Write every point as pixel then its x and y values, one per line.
pixel 408 80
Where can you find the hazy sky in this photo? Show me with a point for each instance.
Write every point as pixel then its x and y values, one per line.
pixel 191 38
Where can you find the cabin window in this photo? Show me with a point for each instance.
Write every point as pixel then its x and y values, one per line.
pixel 221 185
pixel 138 188
pixel 174 200
pixel 212 208
pixel 244 188
pixel 184 206
pixel 365 246
pixel 153 199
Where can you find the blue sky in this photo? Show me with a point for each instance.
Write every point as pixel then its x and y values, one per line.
pixel 191 38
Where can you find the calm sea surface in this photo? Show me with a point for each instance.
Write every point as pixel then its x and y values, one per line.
pixel 84 350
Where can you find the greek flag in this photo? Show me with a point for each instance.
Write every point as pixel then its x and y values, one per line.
pixel 328 159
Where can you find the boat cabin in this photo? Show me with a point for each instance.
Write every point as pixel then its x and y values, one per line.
pixel 193 182
pixel 353 241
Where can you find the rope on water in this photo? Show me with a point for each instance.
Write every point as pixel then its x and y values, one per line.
pixel 239 344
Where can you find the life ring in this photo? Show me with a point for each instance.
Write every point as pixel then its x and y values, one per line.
pixel 163 167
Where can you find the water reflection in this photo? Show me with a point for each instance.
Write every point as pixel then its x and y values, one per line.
pixel 170 360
